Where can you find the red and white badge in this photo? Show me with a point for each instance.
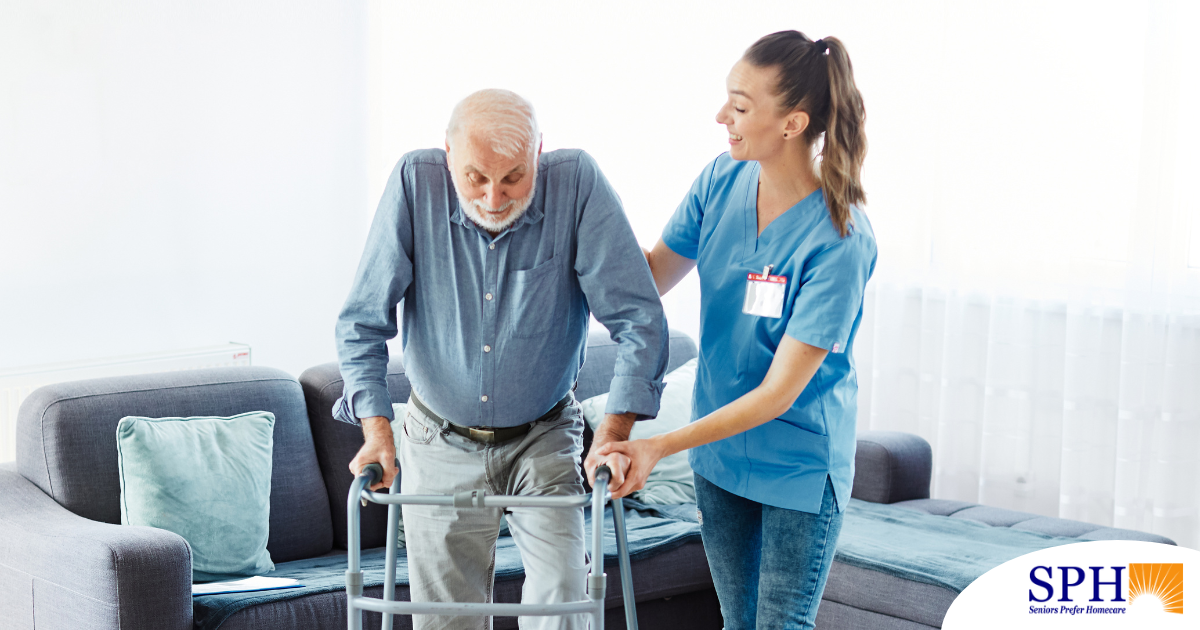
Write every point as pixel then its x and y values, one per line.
pixel 764 294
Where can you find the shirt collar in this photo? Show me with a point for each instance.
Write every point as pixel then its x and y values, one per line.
pixel 533 214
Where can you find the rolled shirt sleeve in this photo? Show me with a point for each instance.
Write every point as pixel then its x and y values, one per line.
pixel 368 318
pixel 621 294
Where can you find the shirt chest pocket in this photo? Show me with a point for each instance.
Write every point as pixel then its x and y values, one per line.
pixel 536 300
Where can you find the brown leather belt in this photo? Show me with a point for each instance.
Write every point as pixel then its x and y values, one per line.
pixel 488 435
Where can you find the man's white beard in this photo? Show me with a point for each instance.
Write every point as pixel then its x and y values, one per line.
pixel 478 212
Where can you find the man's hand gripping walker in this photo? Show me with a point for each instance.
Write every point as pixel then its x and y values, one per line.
pixel 594 605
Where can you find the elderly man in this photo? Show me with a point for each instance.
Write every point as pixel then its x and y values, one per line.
pixel 499 252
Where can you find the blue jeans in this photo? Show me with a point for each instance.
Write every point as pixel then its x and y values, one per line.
pixel 769 564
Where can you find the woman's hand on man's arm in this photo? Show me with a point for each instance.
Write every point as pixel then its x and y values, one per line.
pixel 667 266
pixel 793 367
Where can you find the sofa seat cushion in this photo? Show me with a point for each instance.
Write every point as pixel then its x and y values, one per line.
pixel 946 552
pixel 838 615
pixel 676 571
pixel 910 567
pixel 937 507
pixel 886 595
pixel 1027 522
pixel 910 564
pixel 996 517
pixel 659 570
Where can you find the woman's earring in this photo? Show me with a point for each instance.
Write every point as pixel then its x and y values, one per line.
pixel 785 135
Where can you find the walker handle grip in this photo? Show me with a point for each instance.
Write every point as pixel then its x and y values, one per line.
pixel 373 472
pixel 603 474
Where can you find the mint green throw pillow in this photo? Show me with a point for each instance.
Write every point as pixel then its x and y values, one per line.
pixel 207 479
pixel 671 481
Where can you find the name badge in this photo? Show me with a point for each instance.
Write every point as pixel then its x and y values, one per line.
pixel 764 294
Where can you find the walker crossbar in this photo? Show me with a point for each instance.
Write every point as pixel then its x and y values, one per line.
pixel 596 583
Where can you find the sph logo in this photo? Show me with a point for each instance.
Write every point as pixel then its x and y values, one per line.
pixel 1160 581
pixel 1046 585
pixel 1097 585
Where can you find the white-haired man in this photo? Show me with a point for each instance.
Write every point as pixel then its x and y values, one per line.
pixel 499 252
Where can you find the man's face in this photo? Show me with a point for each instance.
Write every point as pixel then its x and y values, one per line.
pixel 493 190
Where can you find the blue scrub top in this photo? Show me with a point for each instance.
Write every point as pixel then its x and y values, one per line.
pixel 785 461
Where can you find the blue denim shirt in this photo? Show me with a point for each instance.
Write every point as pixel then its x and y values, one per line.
pixel 495 329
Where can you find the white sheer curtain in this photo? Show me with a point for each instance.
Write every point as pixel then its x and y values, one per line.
pixel 1084 412
pixel 1040 324
pixel 1029 180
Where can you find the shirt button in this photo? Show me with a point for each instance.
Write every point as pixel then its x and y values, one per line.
pixel 484 399
pixel 491 246
pixel 487 296
pixel 487 348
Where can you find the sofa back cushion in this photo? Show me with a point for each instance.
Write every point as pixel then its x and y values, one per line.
pixel 338 442
pixel 597 372
pixel 67 445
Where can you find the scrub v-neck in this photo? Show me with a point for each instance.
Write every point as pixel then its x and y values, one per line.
pixel 752 239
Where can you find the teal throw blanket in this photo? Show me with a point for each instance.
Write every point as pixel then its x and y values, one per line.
pixel 649 535
pixel 947 552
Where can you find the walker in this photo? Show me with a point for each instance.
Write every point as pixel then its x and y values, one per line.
pixel 596 584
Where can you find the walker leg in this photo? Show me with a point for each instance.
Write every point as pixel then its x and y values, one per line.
pixel 597 579
pixel 353 574
pixel 623 559
pixel 370 474
pixel 389 575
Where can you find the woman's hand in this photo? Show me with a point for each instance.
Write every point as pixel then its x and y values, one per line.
pixel 792 368
pixel 642 454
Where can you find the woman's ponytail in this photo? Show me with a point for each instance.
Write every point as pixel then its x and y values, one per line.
pixel 845 141
pixel 817 78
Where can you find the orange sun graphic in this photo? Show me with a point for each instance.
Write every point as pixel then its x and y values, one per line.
pixel 1164 581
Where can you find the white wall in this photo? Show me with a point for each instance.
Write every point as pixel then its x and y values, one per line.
pixel 1009 143
pixel 178 174
pixel 638 85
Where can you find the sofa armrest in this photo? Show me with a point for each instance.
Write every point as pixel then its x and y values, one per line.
pixel 78 573
pixel 891 466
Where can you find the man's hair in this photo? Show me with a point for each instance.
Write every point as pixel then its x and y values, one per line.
pixel 499 117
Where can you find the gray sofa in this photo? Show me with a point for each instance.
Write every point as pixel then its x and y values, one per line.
pixel 674 589
pixel 895 468
pixel 65 562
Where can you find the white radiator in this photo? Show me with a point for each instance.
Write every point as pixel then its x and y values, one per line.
pixel 17 383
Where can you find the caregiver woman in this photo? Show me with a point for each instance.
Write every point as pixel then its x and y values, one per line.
pixel 783 254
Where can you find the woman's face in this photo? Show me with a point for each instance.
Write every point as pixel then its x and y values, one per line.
pixel 752 114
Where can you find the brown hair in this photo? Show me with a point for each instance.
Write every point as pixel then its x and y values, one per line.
pixel 817 78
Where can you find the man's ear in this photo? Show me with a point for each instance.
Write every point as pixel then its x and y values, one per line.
pixel 797 122
pixel 540 143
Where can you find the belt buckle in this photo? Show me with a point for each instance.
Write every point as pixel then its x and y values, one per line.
pixel 487 436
